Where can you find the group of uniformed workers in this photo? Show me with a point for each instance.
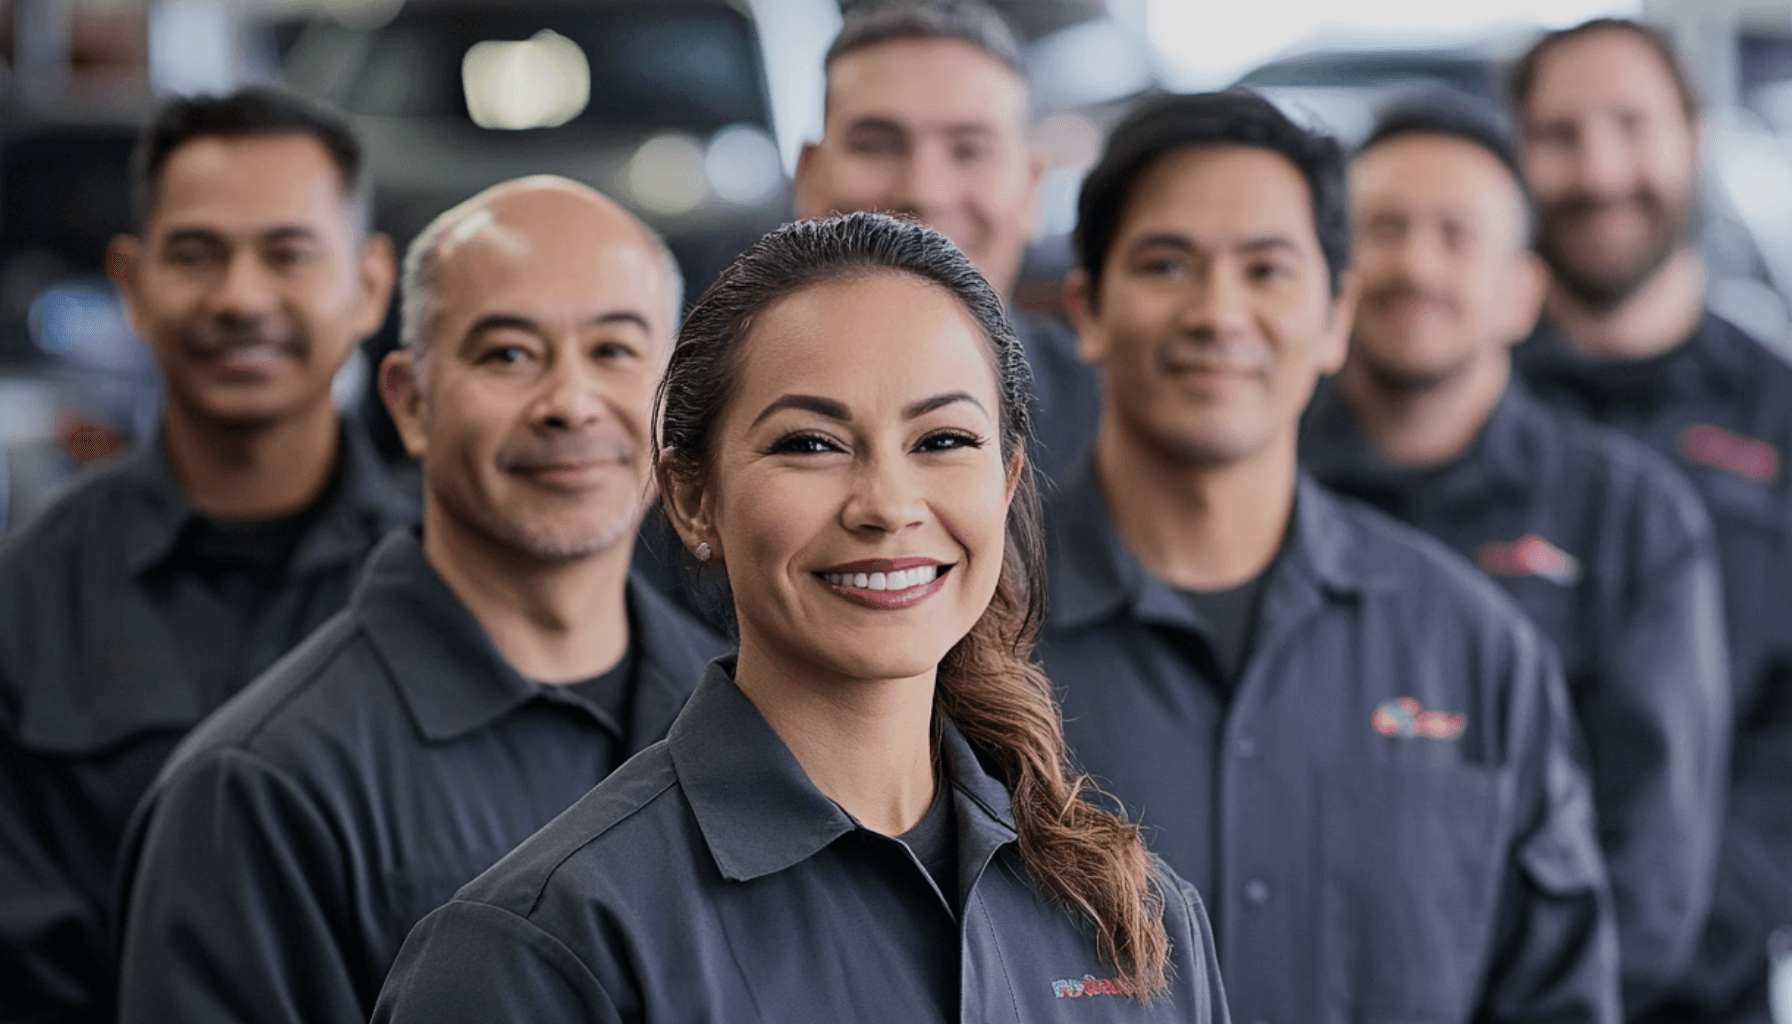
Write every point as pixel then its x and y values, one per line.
pixel 1529 767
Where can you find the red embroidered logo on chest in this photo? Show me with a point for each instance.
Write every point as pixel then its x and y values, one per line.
pixel 1406 719
pixel 1718 448
pixel 1529 555
pixel 1087 985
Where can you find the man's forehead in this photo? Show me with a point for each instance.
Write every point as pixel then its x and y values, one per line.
pixel 250 183
pixel 554 274
pixel 924 83
pixel 1602 70
pixel 1430 171
pixel 1225 192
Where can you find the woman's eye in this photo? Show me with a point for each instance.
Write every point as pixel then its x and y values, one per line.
pixel 804 444
pixel 945 440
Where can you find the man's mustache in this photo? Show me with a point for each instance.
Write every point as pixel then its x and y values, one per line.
pixel 536 453
pixel 214 340
pixel 1386 295
pixel 1579 205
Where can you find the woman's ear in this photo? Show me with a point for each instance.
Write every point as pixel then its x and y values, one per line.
pixel 689 506
pixel 1016 465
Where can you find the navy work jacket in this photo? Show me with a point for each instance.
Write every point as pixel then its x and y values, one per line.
pixel 1387 809
pixel 1720 407
pixel 94 692
pixel 1609 551
pixel 708 879
pixel 293 839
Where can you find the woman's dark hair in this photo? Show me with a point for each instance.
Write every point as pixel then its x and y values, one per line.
pixel 1158 127
pixel 988 684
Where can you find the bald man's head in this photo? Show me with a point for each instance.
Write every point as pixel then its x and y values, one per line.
pixel 531 220
pixel 538 320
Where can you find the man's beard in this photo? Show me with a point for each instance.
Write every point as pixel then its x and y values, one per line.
pixel 1387 375
pixel 1605 283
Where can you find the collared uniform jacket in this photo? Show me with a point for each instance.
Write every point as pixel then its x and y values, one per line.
pixel 709 880
pixel 1386 812
pixel 1609 551
pixel 94 694
pixel 273 870
pixel 1720 408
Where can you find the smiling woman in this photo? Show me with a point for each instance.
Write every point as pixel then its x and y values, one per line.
pixel 868 814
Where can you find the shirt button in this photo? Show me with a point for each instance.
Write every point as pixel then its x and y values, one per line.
pixel 1246 747
pixel 1255 891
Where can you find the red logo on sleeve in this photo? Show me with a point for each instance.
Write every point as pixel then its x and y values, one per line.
pixel 1718 448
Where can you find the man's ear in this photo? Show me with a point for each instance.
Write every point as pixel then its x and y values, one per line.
pixel 378 271
pixel 804 201
pixel 402 389
pixel 1334 344
pixel 1530 285
pixel 1079 305
pixel 690 505
pixel 124 260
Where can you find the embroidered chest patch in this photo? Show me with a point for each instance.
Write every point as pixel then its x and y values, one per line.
pixel 1706 445
pixel 1404 718
pixel 1087 985
pixel 1529 555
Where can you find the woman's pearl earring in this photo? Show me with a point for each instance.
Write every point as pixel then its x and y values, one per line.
pixel 703 551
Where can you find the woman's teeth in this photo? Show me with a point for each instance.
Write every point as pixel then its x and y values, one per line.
pixel 902 580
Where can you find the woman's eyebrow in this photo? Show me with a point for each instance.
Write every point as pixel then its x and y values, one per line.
pixel 812 403
pixel 927 405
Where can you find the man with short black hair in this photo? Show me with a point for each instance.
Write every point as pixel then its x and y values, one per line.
pixel 927 115
pixel 1610 136
pixel 1355 746
pixel 1597 538
pixel 484 675
pixel 143 599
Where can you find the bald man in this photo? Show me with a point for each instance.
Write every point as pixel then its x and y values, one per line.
pixel 486 673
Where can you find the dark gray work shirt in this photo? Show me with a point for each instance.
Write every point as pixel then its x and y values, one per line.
pixel 1720 408
pixel 1066 393
pixel 128 618
pixel 1387 810
pixel 708 879
pixel 273 870
pixel 1609 550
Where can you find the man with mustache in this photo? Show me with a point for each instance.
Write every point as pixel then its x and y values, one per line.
pixel 1600 542
pixel 1610 133
pixel 1357 748
pixel 927 115
pixel 155 590
pixel 485 674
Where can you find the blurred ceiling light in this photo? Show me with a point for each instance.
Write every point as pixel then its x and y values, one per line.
pixel 192 47
pixel 742 164
pixel 540 82
pixel 667 175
